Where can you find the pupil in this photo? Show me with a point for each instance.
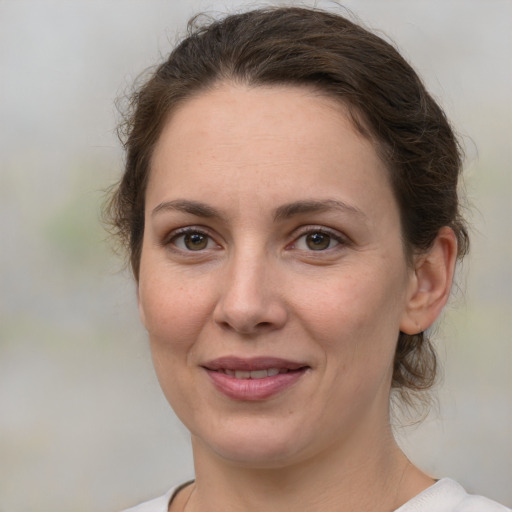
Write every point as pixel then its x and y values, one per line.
pixel 318 241
pixel 195 241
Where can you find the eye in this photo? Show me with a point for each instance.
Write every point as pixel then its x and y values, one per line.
pixel 193 240
pixel 317 241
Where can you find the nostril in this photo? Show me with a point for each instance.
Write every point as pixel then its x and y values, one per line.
pixel 248 328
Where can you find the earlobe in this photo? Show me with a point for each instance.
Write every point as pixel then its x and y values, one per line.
pixel 431 283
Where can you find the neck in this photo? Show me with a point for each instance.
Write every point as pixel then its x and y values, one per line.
pixel 376 477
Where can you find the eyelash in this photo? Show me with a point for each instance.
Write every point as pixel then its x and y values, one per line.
pixel 172 239
pixel 313 230
pixel 182 233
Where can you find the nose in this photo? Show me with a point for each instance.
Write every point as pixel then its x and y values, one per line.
pixel 250 301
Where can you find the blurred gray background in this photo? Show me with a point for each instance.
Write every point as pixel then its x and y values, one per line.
pixel 83 425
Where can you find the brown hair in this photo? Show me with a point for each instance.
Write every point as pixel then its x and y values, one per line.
pixel 309 47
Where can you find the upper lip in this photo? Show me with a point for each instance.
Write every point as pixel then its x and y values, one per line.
pixel 252 364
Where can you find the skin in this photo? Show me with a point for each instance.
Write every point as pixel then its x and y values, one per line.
pixel 256 285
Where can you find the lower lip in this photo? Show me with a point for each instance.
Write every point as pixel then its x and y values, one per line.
pixel 254 389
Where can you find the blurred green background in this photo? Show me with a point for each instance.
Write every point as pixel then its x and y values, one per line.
pixel 83 425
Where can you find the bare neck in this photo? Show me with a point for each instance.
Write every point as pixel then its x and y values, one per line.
pixel 376 477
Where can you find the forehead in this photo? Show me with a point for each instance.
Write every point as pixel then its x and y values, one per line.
pixel 272 141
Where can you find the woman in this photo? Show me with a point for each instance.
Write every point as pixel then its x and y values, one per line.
pixel 290 208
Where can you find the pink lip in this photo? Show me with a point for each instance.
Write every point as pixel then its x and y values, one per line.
pixel 253 389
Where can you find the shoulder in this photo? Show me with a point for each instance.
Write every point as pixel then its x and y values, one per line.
pixel 446 495
pixel 160 504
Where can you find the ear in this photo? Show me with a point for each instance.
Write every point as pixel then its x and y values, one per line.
pixel 431 283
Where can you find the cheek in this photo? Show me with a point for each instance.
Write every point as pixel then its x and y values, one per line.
pixel 174 315
pixel 357 317
pixel 173 310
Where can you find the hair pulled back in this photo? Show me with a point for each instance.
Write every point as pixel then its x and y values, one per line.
pixel 308 47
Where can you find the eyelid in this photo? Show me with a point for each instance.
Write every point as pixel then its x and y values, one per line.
pixel 179 232
pixel 336 235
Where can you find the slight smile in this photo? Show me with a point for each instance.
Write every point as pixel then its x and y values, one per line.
pixel 253 379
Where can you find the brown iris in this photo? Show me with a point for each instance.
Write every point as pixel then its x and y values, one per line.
pixel 195 241
pixel 318 241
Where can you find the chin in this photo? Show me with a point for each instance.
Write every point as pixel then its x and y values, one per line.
pixel 259 448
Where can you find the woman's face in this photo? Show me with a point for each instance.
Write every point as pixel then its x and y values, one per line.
pixel 273 280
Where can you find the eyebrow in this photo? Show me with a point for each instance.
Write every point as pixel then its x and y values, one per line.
pixel 313 206
pixel 285 211
pixel 186 206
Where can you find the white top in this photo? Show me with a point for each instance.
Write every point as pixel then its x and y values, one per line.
pixel 446 495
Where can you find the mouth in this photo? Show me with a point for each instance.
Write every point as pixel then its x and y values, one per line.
pixel 255 374
pixel 253 379
pixel 253 368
